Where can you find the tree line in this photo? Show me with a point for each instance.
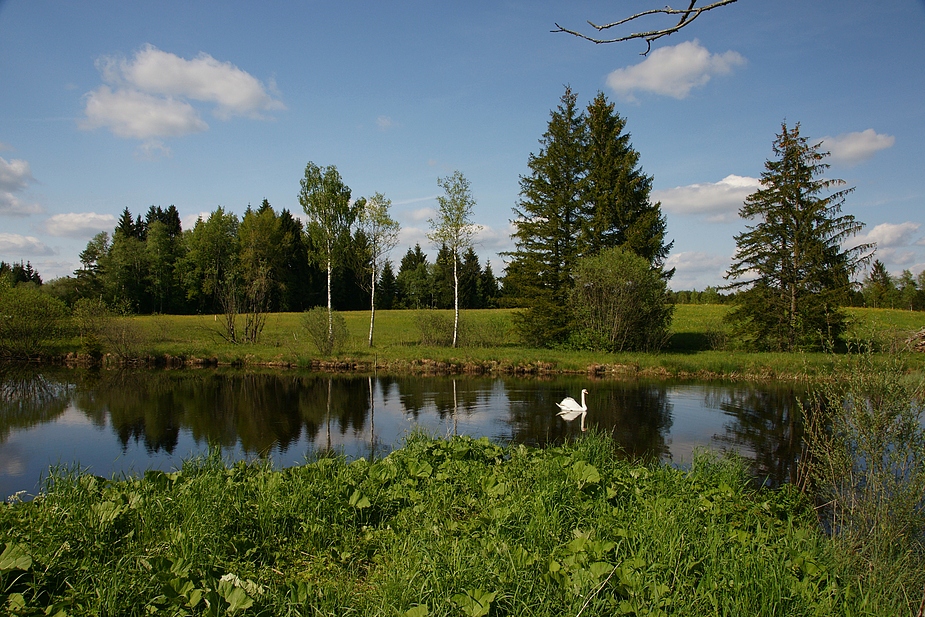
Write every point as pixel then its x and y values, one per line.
pixel 151 265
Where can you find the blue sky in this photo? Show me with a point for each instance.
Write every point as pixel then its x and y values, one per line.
pixel 108 105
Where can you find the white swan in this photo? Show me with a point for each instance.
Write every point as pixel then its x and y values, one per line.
pixel 570 409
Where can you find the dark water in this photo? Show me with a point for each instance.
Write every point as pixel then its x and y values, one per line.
pixel 114 422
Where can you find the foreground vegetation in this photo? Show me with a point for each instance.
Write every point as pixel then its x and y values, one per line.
pixel 440 527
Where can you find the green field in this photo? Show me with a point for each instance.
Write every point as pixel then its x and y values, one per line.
pixel 698 347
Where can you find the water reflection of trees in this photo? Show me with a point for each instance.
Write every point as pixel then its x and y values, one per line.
pixel 29 398
pixel 767 422
pixel 448 396
pixel 262 412
pixel 640 414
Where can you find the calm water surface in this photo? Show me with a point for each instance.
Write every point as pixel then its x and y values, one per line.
pixel 114 422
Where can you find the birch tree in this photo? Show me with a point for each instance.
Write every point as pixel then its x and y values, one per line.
pixel 326 201
pixel 453 228
pixel 382 234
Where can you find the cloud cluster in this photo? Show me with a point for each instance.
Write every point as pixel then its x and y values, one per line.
pixel 673 71
pixel 853 148
pixel 695 270
pixel 152 95
pixel 717 201
pixel 17 245
pixel 15 177
pixel 78 224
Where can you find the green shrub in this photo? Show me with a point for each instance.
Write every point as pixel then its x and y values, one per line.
pixel 436 328
pixel 92 318
pixel 619 303
pixel 31 322
pixel 326 340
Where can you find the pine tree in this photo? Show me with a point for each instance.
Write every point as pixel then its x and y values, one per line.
pixel 617 206
pixel 388 288
pixel 413 280
pixel 878 289
pixel 469 272
pixel 301 282
pixel 585 193
pixel 548 225
pixel 790 263
pixel 488 287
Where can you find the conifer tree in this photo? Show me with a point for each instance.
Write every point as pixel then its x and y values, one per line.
pixel 548 225
pixel 413 280
pixel 790 264
pixel 585 193
pixel 617 206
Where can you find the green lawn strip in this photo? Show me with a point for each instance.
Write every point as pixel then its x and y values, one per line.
pixel 440 527
pixel 698 347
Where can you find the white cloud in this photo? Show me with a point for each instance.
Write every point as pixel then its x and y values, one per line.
pixel 15 177
pixel 673 71
pixel 78 224
pixel 891 235
pixel 496 240
pixel 17 245
pixel 853 148
pixel 235 92
pixel 134 114
pixel 384 123
pixel 718 201
pixel 423 214
pixel 189 221
pixel 151 95
pixel 697 270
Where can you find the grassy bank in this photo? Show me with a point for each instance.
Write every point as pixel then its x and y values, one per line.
pixel 411 341
pixel 445 527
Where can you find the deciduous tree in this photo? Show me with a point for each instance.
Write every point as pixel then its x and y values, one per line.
pixel 687 16
pixel 382 234
pixel 326 201
pixel 453 228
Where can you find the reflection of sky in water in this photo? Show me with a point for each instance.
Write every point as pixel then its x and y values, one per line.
pixel 693 424
pixel 27 453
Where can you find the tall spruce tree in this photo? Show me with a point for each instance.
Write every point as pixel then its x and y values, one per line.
pixel 790 264
pixel 618 211
pixel 548 225
pixel 585 193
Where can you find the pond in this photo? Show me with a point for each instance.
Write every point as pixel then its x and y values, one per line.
pixel 128 421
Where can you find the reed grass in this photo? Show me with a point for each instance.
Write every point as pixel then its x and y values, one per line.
pixel 439 527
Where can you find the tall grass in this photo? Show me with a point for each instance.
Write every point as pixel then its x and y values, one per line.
pixel 865 445
pixel 439 527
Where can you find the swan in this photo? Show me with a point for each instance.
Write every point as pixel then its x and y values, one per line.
pixel 570 409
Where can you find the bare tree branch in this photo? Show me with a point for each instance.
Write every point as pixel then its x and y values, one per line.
pixel 688 15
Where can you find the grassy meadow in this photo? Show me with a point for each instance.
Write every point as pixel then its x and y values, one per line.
pixel 420 340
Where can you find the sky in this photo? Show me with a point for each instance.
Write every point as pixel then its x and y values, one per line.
pixel 108 105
